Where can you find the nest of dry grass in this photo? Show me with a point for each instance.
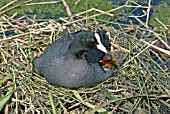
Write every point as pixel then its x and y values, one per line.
pixel 141 86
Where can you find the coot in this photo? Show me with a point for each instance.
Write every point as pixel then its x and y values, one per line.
pixel 64 62
pixel 110 62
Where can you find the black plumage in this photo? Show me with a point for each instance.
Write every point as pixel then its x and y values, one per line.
pixel 64 63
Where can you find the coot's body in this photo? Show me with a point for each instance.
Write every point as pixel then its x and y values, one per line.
pixel 64 63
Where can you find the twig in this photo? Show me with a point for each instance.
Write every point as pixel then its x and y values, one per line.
pixel 77 2
pixel 3 31
pixel 148 11
pixel 120 48
pixel 23 34
pixel 116 107
pixel 17 22
pixel 161 23
pixel 140 21
pixel 16 36
pixel 41 3
pixel 8 4
pixel 124 98
pixel 67 10
pixel 149 45
pixel 92 15
pixel 158 48
pixel 15 7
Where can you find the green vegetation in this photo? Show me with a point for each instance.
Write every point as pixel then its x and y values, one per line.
pixel 57 9
pixel 163 14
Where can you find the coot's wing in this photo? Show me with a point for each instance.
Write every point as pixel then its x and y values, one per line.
pixel 57 49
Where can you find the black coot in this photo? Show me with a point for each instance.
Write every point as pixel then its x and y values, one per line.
pixel 64 62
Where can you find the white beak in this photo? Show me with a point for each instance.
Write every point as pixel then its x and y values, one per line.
pixel 100 46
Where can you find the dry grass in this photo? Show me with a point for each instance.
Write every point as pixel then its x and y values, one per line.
pixel 141 86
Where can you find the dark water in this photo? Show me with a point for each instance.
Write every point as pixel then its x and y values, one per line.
pixel 153 2
pixel 139 12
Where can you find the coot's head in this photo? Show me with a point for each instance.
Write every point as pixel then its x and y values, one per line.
pixel 85 41
pixel 95 55
pixel 110 61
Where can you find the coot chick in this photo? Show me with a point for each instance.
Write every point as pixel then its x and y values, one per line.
pixel 114 60
pixel 110 62
pixel 64 64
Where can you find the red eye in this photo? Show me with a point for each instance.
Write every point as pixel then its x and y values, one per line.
pixel 92 40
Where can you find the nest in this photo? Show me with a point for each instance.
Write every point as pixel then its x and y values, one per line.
pixel 141 85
